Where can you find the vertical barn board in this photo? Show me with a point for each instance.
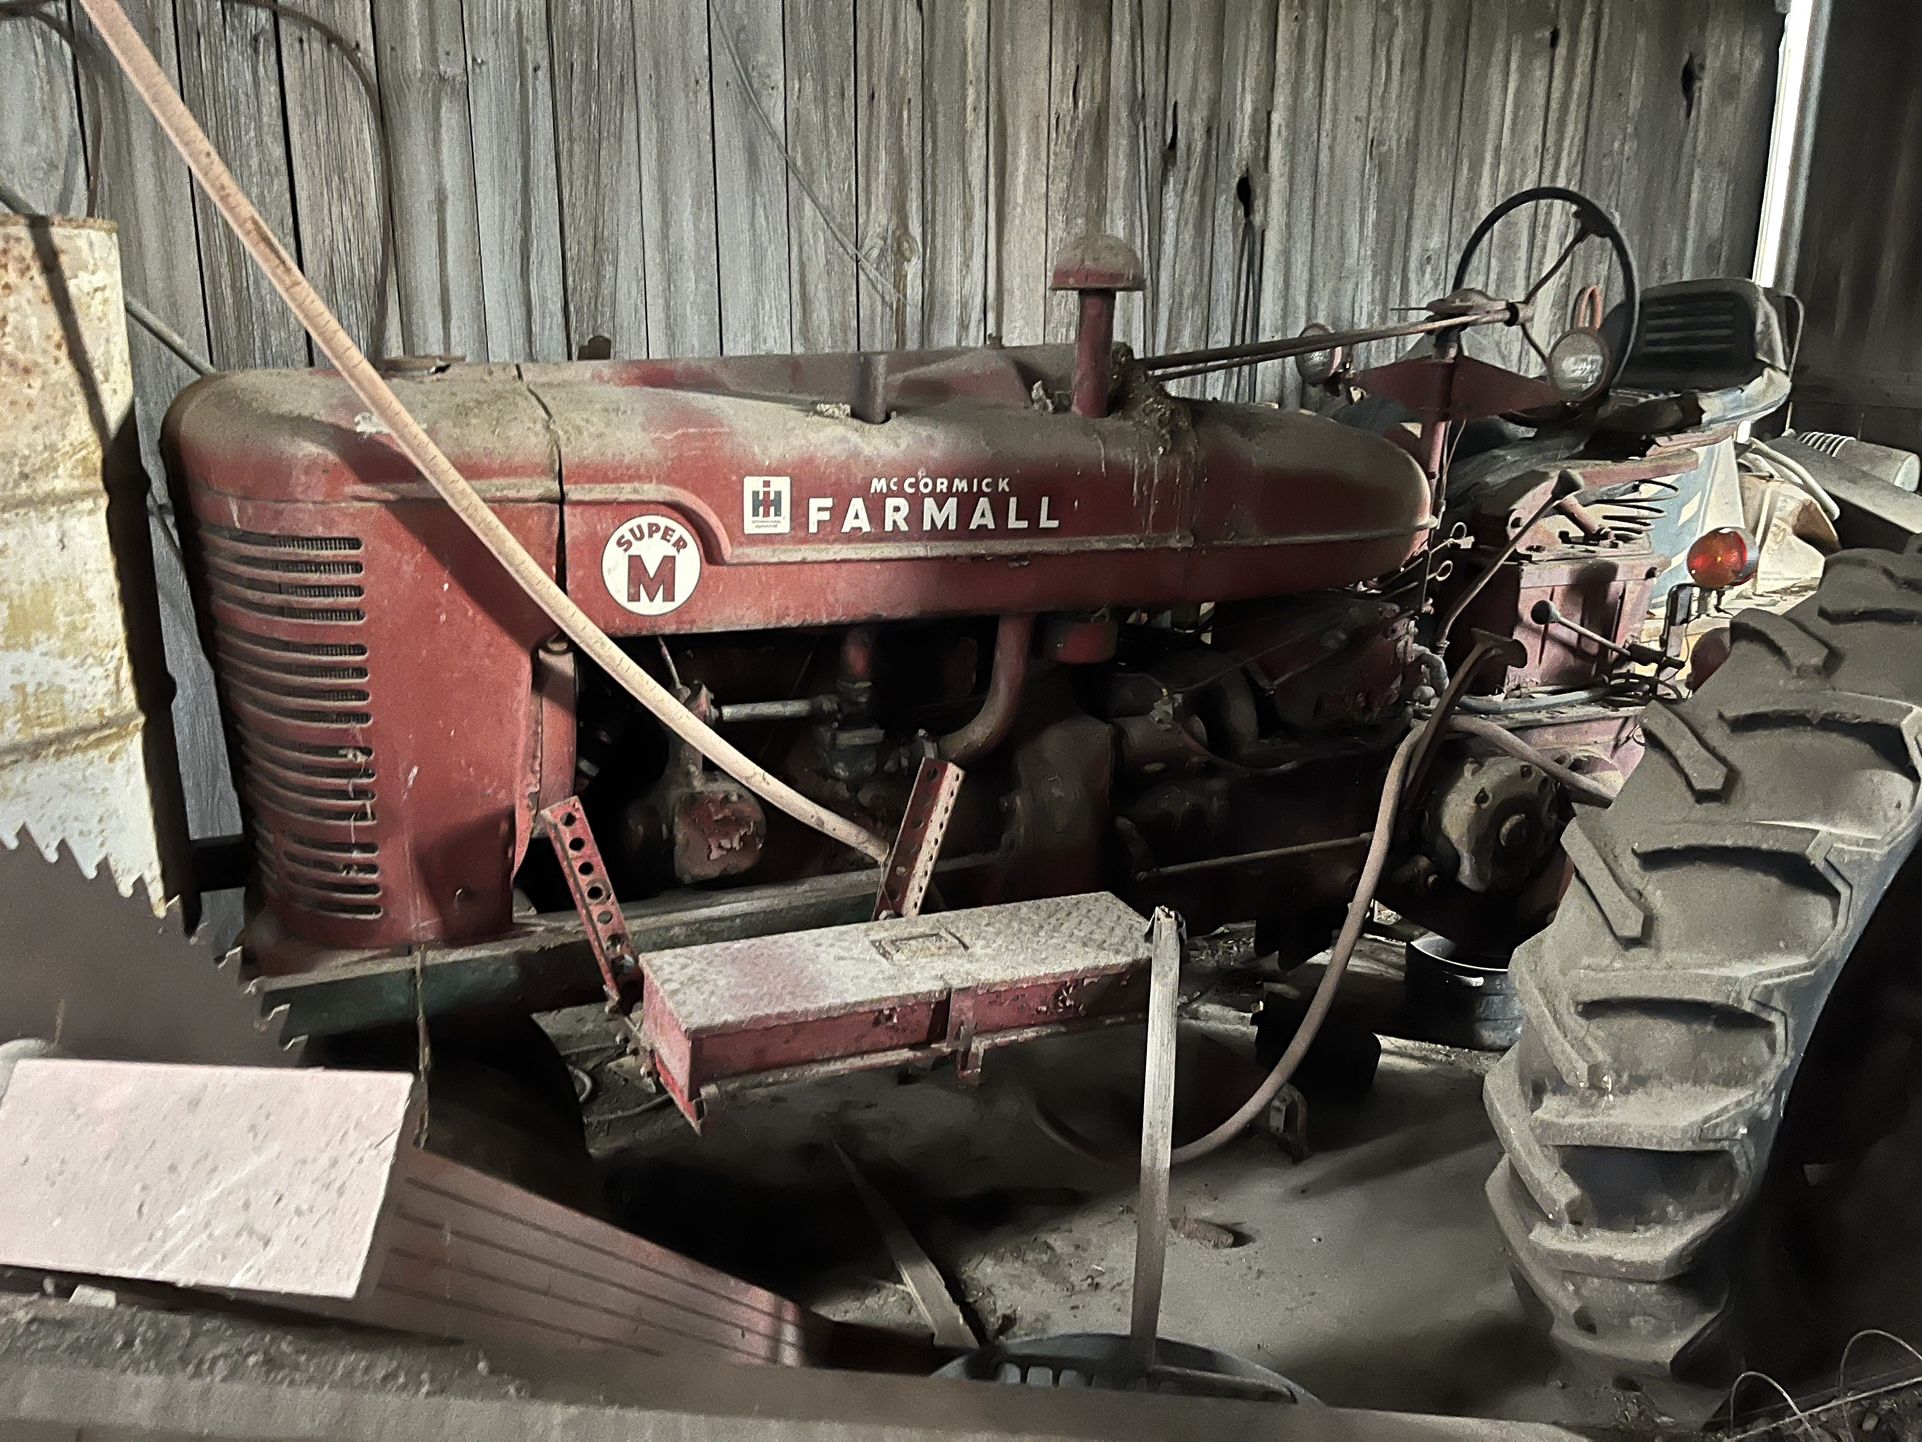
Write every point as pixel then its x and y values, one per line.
pixel 1137 71
pixel 888 181
pixel 1018 66
pixel 143 187
pixel 1240 187
pixel 1290 297
pixel 1391 152
pixel 1437 91
pixel 1574 35
pixel 1188 134
pixel 598 169
pixel 40 134
pixel 424 99
pixel 750 180
pixel 1735 100
pixel 1388 181
pixel 333 140
pixel 1660 143
pixel 820 132
pixel 1509 49
pixel 1629 119
pixel 510 88
pixel 1859 266
pixel 1692 152
pixel 1078 101
pixel 677 177
pixel 1344 220
pixel 230 77
pixel 1575 38
pixel 954 92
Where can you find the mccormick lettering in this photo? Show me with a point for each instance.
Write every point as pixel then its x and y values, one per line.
pixel 939 485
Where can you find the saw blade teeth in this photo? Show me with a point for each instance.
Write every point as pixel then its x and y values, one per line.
pixel 274 1024
pixel 114 977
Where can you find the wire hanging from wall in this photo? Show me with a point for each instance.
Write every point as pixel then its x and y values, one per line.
pixel 896 299
pixel 382 317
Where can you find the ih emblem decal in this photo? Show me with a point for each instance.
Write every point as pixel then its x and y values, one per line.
pixel 766 505
pixel 651 563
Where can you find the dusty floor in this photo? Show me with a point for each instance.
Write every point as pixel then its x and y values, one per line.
pixel 1369 1273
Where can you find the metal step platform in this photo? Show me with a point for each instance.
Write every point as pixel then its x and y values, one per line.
pixel 736 1014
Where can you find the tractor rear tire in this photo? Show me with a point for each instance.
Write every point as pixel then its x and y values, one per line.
pixel 1742 923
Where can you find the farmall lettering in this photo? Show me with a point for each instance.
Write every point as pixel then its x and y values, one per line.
pixel 651 564
pixel 920 506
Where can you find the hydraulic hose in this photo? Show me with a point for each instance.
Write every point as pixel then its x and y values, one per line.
pixel 1319 1005
pixel 1324 998
pixel 240 214
pixel 1371 869
pixel 1797 475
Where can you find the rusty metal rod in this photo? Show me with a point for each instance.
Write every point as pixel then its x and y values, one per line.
pixel 1255 352
pixel 800 708
pixel 1094 354
pixel 150 83
pixel 1250 858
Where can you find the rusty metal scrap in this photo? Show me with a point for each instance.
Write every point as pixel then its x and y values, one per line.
pixel 565 825
pixel 917 846
pixel 72 733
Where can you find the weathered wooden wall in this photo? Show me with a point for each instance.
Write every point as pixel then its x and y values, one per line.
pixel 507 178
pixel 1860 267
pixel 740 175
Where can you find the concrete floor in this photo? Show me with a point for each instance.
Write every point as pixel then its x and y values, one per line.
pixel 1369 1273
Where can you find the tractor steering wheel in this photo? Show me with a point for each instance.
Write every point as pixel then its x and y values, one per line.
pixel 1591 222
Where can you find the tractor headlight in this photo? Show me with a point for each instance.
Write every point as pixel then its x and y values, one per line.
pixel 1577 364
pixel 1317 367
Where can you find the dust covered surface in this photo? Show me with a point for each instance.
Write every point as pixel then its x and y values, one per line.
pixel 217 1347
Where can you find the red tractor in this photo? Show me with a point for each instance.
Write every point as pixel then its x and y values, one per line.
pixel 1179 648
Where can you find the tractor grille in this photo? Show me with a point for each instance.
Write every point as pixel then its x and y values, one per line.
pixel 294 676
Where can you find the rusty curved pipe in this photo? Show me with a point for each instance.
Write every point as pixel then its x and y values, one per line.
pixel 989 726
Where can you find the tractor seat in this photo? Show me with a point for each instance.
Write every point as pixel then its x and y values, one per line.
pixel 1708 354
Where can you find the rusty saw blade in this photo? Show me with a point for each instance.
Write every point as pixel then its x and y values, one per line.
pixel 101 976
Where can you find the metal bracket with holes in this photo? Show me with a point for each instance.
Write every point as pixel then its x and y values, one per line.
pixel 917 845
pixel 565 826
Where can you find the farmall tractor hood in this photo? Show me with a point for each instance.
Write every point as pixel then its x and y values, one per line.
pixel 745 493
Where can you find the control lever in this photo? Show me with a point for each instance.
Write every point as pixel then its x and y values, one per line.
pixel 1545 613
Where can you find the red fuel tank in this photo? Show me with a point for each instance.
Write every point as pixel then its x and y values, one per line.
pixel 379 673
